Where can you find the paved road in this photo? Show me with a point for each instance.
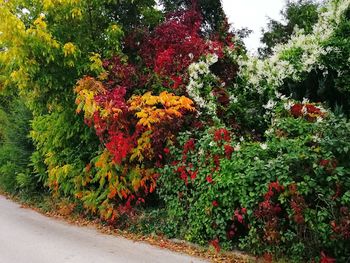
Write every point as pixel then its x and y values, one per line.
pixel 29 237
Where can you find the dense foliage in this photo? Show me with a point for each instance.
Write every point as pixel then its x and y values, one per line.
pixel 136 130
pixel 15 146
pixel 301 14
pixel 211 10
pixel 130 108
pixel 286 195
pixel 48 45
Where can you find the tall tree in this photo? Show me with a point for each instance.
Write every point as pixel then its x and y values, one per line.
pixel 46 46
pixel 300 13
pixel 214 17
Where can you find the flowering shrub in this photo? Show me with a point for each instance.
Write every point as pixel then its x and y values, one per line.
pixel 238 163
pixel 261 196
pixel 303 67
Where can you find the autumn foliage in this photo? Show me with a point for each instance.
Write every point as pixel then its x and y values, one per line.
pixel 135 130
pixel 134 114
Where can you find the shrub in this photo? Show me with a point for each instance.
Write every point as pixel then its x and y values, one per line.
pixel 137 110
pixel 15 147
pixel 286 196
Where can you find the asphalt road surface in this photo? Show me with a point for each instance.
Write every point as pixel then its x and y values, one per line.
pixel 29 237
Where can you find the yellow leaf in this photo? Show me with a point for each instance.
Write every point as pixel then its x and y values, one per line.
pixel 69 49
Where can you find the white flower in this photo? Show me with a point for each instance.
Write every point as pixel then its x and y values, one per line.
pixel 260 90
pixel 212 59
pixel 191 68
pixel 269 131
pixel 212 144
pixel 202 68
pixel 263 146
pixel 194 75
pixel 280 96
pixel 283 97
pixel 233 99
pixel 305 100
pixel 323 110
pixel 254 80
pixel 288 105
pixel 237 147
pixel 273 71
pixel 315 138
pixel 241 139
pixel 319 119
pixel 270 104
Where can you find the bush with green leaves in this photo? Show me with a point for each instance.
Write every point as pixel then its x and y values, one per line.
pixel 288 195
pixel 58 137
pixel 247 167
pixel 275 179
pixel 15 146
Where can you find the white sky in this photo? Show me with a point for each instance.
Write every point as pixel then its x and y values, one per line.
pixel 252 14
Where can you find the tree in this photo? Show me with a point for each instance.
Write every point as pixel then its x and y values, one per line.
pixel 214 17
pixel 46 47
pixel 300 13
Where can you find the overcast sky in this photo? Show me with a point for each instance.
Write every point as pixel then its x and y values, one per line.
pixel 252 14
